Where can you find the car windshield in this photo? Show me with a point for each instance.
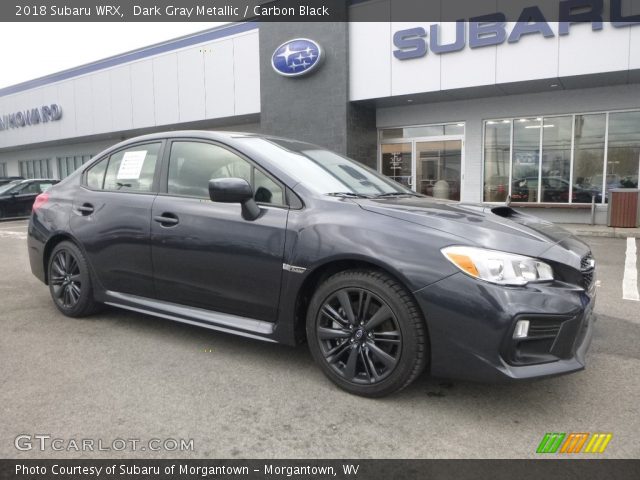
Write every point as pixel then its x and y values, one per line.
pixel 5 188
pixel 325 171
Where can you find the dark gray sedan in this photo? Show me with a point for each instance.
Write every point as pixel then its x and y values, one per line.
pixel 284 241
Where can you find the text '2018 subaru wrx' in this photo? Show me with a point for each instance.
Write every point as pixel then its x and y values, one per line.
pixel 285 241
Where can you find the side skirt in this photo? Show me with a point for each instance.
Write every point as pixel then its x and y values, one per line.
pixel 222 322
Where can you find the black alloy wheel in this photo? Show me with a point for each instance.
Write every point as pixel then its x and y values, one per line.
pixel 366 333
pixel 65 279
pixel 359 335
pixel 70 281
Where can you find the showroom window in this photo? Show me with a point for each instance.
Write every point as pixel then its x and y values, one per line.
pixel 68 165
pixel 3 169
pixel 562 158
pixel 35 168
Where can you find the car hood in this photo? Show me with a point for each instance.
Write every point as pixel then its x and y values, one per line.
pixel 497 228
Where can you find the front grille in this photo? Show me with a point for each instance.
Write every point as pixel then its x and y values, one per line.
pixel 587 268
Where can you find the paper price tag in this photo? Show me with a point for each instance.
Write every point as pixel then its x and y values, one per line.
pixel 131 165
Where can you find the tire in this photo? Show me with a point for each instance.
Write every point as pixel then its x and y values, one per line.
pixel 377 348
pixel 70 281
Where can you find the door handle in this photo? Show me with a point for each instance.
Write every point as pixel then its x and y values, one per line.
pixel 166 219
pixel 85 209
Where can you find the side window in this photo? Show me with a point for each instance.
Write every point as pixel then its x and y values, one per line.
pixel 33 187
pixel 193 164
pixel 95 175
pixel 132 170
pixel 44 186
pixel 266 190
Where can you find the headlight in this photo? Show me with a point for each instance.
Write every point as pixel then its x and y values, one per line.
pixel 498 267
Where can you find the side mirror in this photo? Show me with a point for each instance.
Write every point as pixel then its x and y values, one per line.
pixel 235 190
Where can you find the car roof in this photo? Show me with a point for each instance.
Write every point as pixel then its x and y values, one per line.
pixel 215 135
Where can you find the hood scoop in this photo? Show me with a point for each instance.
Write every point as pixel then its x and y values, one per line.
pixel 504 211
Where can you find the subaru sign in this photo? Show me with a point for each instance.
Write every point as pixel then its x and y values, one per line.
pixel 297 57
pixel 493 29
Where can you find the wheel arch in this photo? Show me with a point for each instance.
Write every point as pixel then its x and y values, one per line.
pixel 51 243
pixel 329 268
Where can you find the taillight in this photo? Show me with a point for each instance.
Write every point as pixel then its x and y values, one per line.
pixel 40 201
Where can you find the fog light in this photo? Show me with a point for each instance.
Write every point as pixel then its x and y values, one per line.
pixel 522 329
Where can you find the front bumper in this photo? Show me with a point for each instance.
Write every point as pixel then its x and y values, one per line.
pixel 471 325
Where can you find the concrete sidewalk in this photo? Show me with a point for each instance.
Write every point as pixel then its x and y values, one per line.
pixel 583 230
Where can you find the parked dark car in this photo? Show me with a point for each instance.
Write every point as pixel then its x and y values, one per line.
pixel 5 180
pixel 284 241
pixel 17 196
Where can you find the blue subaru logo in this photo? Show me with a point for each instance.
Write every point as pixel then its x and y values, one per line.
pixel 296 57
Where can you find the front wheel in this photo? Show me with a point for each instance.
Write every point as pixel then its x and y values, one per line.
pixel 70 281
pixel 366 333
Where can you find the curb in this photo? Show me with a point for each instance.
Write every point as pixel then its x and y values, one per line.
pixel 614 234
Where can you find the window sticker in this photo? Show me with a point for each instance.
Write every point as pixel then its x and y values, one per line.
pixel 131 165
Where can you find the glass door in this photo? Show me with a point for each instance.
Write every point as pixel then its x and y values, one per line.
pixel 396 162
pixel 438 168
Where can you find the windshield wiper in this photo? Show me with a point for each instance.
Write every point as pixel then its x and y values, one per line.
pixel 348 194
pixel 396 194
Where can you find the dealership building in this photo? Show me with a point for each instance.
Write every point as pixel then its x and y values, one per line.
pixel 546 113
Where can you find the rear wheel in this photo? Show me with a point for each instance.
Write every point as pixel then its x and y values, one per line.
pixel 366 333
pixel 70 281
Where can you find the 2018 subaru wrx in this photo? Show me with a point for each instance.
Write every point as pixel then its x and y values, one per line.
pixel 285 241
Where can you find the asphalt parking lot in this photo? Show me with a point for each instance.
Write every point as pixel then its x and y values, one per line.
pixel 130 376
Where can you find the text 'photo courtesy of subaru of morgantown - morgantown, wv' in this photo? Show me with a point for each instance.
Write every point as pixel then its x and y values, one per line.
pixel 283 241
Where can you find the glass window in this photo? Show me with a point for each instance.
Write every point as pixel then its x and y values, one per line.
pixel 556 160
pixel 526 159
pixel 438 168
pixel 68 165
pixel 322 170
pixel 454 129
pixel 193 164
pixel 132 170
pixel 497 154
pixel 427 131
pixel 266 190
pixel 623 152
pixel 396 162
pixel 589 155
pixel 29 188
pixel 557 183
pixel 35 168
pixel 423 131
pixel 95 174
pixel 391 133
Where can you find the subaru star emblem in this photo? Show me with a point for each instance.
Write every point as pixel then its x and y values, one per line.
pixel 296 57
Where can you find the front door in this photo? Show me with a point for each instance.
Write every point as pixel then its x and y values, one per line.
pixel 438 168
pixel 205 254
pixel 430 165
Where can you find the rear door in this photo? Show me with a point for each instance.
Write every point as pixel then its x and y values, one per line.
pixel 204 253
pixel 112 217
